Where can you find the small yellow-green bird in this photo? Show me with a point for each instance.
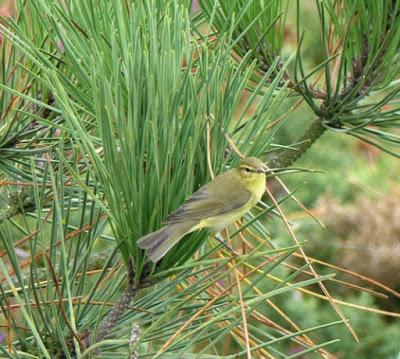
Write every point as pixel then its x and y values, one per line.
pixel 220 202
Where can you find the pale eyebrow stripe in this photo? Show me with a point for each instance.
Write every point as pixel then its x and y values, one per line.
pixel 248 168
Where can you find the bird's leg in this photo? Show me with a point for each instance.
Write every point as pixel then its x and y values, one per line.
pixel 226 244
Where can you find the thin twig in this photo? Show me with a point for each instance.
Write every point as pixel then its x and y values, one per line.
pixel 233 147
pixel 205 307
pixel 242 307
pixel 321 285
pixel 341 282
pixel 352 305
pixel 306 339
pixel 9 330
pixel 301 205
pixel 209 162
pixel 60 302
pixel 347 304
pixel 356 275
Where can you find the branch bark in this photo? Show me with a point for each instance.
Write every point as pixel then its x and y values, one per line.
pixel 288 156
pixel 113 317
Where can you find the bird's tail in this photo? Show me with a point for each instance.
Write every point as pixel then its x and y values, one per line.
pixel 158 243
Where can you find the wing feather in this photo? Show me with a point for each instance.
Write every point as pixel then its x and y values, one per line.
pixel 207 202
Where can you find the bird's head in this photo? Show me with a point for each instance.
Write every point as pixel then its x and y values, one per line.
pixel 251 169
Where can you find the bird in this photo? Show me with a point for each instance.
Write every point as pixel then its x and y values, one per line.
pixel 223 200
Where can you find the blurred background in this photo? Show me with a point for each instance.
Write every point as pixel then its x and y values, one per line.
pixel 356 195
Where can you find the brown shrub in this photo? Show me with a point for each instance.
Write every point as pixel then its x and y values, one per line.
pixel 369 231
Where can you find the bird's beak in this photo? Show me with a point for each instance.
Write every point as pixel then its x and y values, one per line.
pixel 262 169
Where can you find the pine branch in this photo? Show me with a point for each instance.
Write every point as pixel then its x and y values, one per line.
pixel 325 117
pixel 115 314
pixel 118 310
pixel 111 320
pixel 288 156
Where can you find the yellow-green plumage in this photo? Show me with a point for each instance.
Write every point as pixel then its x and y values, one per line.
pixel 215 205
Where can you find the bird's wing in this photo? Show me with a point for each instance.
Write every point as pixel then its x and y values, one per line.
pixel 207 202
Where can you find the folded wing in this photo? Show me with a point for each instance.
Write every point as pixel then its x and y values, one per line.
pixel 216 198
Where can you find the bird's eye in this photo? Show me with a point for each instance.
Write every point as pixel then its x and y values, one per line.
pixel 245 169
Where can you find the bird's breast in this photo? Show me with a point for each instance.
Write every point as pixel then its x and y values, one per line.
pixel 257 188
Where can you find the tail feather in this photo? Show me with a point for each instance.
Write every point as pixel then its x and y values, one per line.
pixel 152 239
pixel 158 243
